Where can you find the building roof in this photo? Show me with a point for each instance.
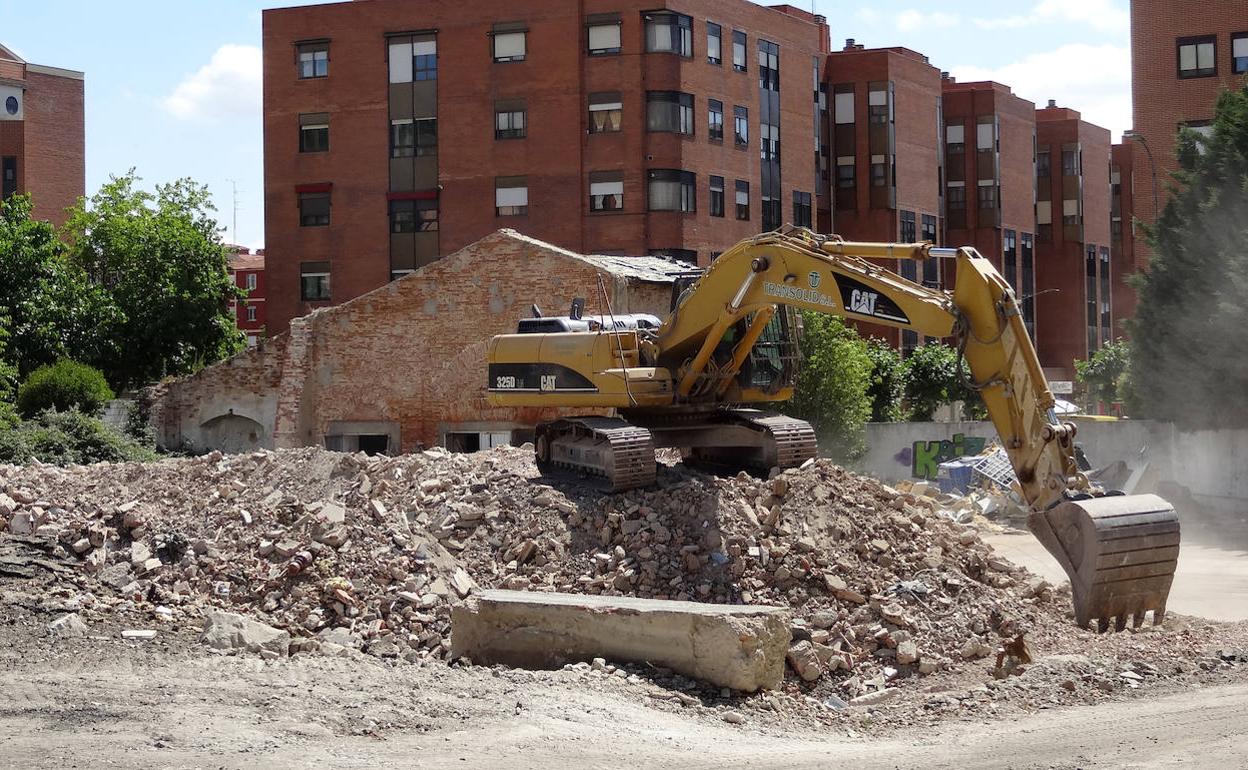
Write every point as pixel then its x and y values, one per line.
pixel 247 262
pixel 7 53
pixel 648 269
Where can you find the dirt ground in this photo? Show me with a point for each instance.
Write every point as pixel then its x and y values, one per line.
pixel 106 703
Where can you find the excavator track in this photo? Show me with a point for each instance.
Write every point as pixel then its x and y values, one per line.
pixel 782 442
pixel 611 452
pixel 1120 552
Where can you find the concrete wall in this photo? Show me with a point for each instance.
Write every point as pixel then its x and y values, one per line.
pixel 1212 464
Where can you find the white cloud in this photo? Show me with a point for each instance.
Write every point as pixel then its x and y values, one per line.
pixel 229 86
pixel 1101 15
pixel 912 20
pixel 1094 79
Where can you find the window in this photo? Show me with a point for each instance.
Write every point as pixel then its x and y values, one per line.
pixel 1043 164
pixel 955 139
pixel 8 176
pixel 510 119
pixel 606 112
pixel 511 196
pixel 768 66
pixel 251 313
pixel 715 120
pixel 769 142
pixel 313 209
pixel 1009 257
pixel 909 227
pixel 314 281
pixel 843 106
pixel 743 200
pixel 413 59
pixel 931 267
pixel 956 199
pixel 314 132
pixel 313 59
pixel 1239 53
pixel 1198 56
pixel 802 216
pixel 1029 284
pixel 717 196
pixel 986 134
pixel 1090 292
pixel 714 44
pixel 410 137
pixel 414 216
pixel 1106 297
pixel 877 107
pixel 672 190
pixel 604 34
pixel 669 33
pixel 741 125
pixel 606 190
pixel 879 171
pixel 738 51
pixel 251 282
pixel 987 194
pixel 669 111
pixel 1070 161
pixel 845 172
pixel 1070 212
pixel 1202 129
pixel 509 42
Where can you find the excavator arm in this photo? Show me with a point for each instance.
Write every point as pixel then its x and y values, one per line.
pixel 1120 552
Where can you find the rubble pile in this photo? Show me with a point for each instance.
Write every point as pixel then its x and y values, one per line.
pixel 308 550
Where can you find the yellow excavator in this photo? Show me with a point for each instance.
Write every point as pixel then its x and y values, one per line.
pixel 695 379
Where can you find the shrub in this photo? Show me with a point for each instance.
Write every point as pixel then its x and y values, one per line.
pixel 832 384
pixel 65 438
pixel 887 381
pixel 62 386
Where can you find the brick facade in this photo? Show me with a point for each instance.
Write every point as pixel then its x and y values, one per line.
pixel 1074 301
pixel 247 273
pixel 47 146
pixel 321 379
pixel 1123 179
pixel 554 81
pixel 1161 99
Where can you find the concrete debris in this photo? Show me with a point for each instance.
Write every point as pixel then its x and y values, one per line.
pixel 68 626
pixel 230 631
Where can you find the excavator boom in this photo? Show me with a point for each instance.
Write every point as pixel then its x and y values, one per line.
pixel 682 382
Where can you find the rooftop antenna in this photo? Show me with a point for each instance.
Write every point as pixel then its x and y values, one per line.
pixel 234 225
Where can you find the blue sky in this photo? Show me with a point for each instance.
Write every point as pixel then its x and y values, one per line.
pixel 174 89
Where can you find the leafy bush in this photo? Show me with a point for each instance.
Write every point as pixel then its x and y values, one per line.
pixel 832 384
pixel 933 379
pixel 1101 373
pixel 888 380
pixel 62 386
pixel 65 438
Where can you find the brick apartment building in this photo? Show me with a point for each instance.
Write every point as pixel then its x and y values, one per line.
pixel 247 273
pixel 42 135
pixel 1073 267
pixel 397 132
pixel 884 127
pixel 1182 56
pixel 989 171
pixel 1123 180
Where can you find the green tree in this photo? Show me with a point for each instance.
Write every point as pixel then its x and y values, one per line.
pixel 1189 361
pixel 61 386
pixel 931 378
pixel 1100 374
pixel 50 309
pixel 888 380
pixel 160 258
pixel 832 384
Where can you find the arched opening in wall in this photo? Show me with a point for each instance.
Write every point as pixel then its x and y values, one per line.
pixel 233 434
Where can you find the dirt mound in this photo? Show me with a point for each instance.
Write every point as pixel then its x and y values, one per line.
pixel 350 551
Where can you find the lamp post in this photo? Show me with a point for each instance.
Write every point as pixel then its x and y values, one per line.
pixel 1138 137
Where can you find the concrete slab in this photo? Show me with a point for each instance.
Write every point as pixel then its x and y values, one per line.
pixel 741 647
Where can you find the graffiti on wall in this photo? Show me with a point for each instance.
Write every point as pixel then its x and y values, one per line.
pixel 925 457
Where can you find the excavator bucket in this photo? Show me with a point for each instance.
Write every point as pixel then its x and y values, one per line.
pixel 1120 553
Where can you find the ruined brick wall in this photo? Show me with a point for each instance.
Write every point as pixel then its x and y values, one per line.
pixel 411 353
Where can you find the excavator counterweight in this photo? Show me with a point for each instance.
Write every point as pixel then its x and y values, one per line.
pixel 730 345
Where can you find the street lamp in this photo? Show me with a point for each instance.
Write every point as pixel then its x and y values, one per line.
pixel 1138 137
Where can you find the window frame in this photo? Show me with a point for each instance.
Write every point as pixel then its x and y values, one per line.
pixel 505 31
pixel 420 128
pixel 742 209
pixel 740 118
pixel 714 128
pixel 305 129
pixel 688 194
pixel 741 39
pixel 324 291
pixel 610 50
pixel 251 281
pixel 511 108
pixel 1236 67
pixel 716 196
pixel 597 201
pixel 803 209
pixel 312 47
pixel 512 210
pixel 1197 72
pixel 718 59
pixel 615 106
pixel 681 35
pixel 314 220
pixel 680 105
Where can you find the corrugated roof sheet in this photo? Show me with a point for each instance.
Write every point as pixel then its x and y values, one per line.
pixel 648 269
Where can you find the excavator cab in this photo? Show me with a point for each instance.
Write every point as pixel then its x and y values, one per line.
pixel 775 357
